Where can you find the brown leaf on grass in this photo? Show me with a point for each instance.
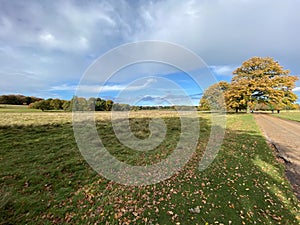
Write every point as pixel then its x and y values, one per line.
pixel 170 213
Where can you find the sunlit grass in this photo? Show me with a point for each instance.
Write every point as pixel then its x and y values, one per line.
pixel 16 108
pixel 291 115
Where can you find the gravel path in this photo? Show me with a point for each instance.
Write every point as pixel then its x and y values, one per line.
pixel 285 136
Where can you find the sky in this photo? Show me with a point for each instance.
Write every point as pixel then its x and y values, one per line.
pixel 47 47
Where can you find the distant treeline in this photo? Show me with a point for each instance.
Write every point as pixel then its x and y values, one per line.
pixel 96 104
pixel 80 104
pixel 76 103
pixel 18 99
pixel 171 108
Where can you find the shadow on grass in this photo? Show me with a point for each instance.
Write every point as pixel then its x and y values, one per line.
pixel 265 172
pixel 45 179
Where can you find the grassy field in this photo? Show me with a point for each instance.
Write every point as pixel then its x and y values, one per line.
pixel 16 108
pixel 291 115
pixel 45 180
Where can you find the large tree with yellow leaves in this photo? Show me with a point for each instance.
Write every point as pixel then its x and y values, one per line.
pixel 261 80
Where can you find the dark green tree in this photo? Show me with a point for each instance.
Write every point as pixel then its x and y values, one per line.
pixel 108 105
pixel 214 97
pixel 100 104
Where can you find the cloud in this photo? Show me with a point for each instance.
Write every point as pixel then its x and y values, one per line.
pixel 95 89
pixel 48 38
pixel 65 26
pixel 58 40
pixel 226 32
pixel 296 89
pixel 151 98
pixel 92 89
pixel 169 99
pixel 223 70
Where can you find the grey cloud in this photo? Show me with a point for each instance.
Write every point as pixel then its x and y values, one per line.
pixel 57 40
pixel 150 98
pixel 228 32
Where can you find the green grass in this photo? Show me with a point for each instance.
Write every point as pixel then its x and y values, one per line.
pixel 5 108
pixel 16 108
pixel 45 180
pixel 291 115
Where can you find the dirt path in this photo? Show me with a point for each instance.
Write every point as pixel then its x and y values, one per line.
pixel 285 136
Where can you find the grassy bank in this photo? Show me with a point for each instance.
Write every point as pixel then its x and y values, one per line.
pixel 45 180
pixel 291 115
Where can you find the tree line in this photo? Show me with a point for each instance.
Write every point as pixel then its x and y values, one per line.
pixel 76 103
pixel 260 83
pixel 18 99
pixel 93 104
pixel 79 103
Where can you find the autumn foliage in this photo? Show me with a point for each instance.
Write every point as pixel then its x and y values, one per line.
pixel 259 81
